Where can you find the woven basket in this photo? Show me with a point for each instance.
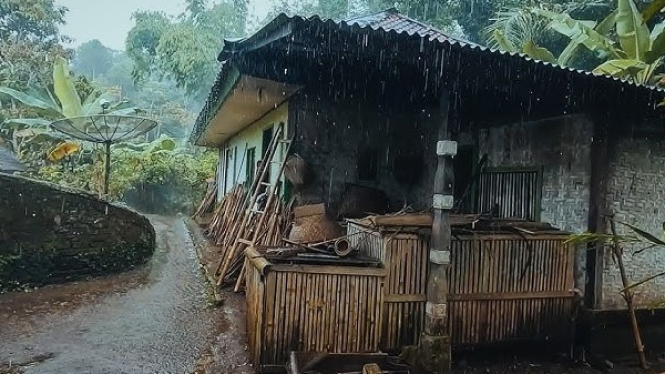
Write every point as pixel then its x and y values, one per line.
pixel 314 229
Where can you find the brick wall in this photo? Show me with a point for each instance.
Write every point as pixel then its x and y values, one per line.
pixel 636 194
pixel 562 147
pixel 50 234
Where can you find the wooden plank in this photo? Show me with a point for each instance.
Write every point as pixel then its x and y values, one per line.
pixel 415 219
pixel 270 310
pixel 510 296
pixel 329 269
pixel 405 298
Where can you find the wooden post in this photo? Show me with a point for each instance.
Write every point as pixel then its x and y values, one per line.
pixel 628 295
pixel 107 167
pixel 434 352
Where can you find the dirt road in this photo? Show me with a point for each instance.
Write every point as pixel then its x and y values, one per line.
pixel 154 319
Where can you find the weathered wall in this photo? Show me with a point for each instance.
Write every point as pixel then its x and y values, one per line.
pixel 562 148
pixel 50 234
pixel 233 172
pixel 330 134
pixel 635 194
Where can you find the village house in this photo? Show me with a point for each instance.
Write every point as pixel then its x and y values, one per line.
pixel 364 100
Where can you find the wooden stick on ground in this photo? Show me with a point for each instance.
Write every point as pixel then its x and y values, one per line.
pixel 627 294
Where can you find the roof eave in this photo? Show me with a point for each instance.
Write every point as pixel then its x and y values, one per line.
pixel 278 29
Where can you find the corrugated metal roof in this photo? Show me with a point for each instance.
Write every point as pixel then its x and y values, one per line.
pixel 392 20
pixel 405 28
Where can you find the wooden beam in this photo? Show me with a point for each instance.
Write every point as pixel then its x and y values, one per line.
pixel 402 298
pixel 510 296
pixel 437 282
pixel 599 169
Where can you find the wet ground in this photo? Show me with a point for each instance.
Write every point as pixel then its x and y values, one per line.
pixel 158 318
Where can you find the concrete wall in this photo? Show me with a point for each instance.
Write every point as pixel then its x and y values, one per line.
pixel 234 172
pixel 330 135
pixel 636 195
pixel 562 147
pixel 50 234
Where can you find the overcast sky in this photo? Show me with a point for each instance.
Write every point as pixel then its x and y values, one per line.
pixel 110 20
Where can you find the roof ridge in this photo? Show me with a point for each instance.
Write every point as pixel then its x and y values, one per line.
pixel 363 16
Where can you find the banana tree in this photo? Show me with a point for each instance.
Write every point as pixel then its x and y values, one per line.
pixel 63 102
pixel 517 30
pixel 638 53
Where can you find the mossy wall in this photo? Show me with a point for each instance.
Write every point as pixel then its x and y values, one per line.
pixel 49 234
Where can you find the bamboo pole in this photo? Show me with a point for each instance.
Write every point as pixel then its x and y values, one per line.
pixel 627 294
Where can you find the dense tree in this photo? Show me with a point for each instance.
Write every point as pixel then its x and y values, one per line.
pixel 35 20
pixel 184 49
pixel 29 41
pixel 92 58
pixel 143 39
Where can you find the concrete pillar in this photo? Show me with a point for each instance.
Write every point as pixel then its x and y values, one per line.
pixel 434 350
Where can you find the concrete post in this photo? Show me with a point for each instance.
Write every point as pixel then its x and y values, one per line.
pixel 434 350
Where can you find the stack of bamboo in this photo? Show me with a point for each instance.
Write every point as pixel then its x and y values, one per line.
pixel 230 209
pixel 227 232
pixel 278 222
pixel 208 201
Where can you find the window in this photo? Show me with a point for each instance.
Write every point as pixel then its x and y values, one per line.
pixel 250 166
pixel 267 138
pixel 368 164
pixel 511 193
pixel 228 172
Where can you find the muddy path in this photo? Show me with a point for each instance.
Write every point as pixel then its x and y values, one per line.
pixel 154 319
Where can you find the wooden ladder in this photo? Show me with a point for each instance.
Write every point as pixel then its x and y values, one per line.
pixel 247 237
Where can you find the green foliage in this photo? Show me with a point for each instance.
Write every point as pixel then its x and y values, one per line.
pixel 143 39
pixel 34 20
pixel 622 43
pixel 29 41
pixel 93 58
pixel 184 50
pixel 159 165
pixel 637 238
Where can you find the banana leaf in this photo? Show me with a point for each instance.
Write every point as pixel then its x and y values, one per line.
pixel 634 35
pixel 622 68
pixel 504 44
pixel 647 236
pixel 32 101
pixel 645 280
pixel 536 52
pixel 657 43
pixel 581 32
pixel 19 123
pixel 64 89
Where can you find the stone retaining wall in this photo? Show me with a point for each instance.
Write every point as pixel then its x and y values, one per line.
pixel 50 234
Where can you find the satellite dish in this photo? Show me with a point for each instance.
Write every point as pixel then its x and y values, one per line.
pixel 104 129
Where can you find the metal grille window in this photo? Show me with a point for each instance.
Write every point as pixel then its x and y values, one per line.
pixel 511 193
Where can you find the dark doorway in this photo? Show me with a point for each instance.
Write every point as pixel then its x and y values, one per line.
pixel 267 138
